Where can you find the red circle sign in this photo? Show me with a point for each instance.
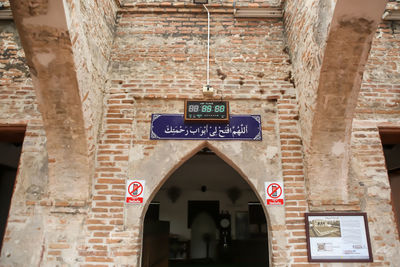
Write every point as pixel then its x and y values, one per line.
pixel 274 188
pixel 135 189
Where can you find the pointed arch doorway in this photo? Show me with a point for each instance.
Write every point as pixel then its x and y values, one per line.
pixel 205 214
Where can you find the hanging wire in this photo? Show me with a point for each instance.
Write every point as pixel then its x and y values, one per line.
pixel 208 46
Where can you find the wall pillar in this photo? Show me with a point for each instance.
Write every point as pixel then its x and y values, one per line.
pixel 347 47
pixel 46 41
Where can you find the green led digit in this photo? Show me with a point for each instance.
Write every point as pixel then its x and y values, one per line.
pixel 220 108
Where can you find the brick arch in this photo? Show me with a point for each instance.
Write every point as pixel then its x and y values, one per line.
pixel 254 173
pixel 173 166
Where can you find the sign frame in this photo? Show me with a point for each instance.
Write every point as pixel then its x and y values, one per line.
pixel 131 198
pixel 343 257
pixel 188 119
pixel 172 127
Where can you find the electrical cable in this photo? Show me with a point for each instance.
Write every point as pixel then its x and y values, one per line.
pixel 208 45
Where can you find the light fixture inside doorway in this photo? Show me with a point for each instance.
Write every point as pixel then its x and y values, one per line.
pixel 234 193
pixel 174 193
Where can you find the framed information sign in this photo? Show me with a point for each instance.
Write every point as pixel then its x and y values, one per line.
pixel 207 111
pixel 338 237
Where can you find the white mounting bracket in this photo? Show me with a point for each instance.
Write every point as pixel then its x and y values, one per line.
pixel 208 90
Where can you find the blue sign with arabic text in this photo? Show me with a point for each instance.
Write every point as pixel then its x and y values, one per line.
pixel 172 126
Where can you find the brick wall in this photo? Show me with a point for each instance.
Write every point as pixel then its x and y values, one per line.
pixel 249 3
pixel 17 95
pixel 328 94
pixel 379 98
pixel 54 225
pixel 168 60
pixel 91 26
pixel 125 151
pixel 18 107
pixel 37 226
pixel 370 186
pixel 293 177
pixel 378 106
pixel 306 30
pixel 158 59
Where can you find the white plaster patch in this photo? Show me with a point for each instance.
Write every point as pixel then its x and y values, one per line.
pixel 136 153
pixel 44 59
pixel 236 148
pixel 380 178
pixel 380 192
pixel 338 148
pixel 271 151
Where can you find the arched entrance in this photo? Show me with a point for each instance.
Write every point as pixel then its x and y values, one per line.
pixel 205 214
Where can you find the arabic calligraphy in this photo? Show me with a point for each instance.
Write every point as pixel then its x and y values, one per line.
pixel 207 130
pixel 171 126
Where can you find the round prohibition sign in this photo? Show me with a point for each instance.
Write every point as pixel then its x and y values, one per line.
pixel 135 187
pixel 272 188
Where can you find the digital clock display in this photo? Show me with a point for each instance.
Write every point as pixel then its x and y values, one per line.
pixel 207 111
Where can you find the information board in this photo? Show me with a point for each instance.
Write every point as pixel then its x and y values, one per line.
pixel 207 111
pixel 338 237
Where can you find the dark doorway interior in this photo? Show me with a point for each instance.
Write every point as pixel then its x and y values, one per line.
pixel 205 215
pixel 196 207
pixel 11 139
pixel 391 148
